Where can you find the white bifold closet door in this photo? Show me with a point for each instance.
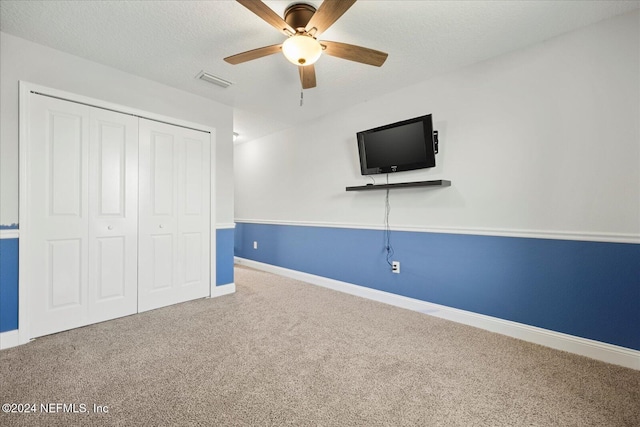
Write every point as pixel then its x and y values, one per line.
pixel 174 214
pixel 82 213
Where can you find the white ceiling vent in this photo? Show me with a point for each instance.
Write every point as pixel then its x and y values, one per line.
pixel 213 79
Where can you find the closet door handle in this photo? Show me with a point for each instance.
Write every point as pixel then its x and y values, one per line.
pixel 161 226
pixel 110 227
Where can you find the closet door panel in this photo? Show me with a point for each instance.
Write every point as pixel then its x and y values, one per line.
pixel 162 262
pixel 192 258
pixel 194 152
pixel 81 219
pixel 163 174
pixel 174 215
pixel 194 212
pixel 65 158
pixel 64 275
pixel 158 222
pixel 111 146
pixel 111 274
pixel 57 215
pixel 113 208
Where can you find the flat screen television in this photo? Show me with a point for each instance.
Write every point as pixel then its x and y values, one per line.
pixel 397 147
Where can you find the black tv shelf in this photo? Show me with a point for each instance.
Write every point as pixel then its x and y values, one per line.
pixel 433 183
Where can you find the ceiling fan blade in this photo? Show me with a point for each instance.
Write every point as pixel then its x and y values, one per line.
pixel 253 54
pixel 328 13
pixel 267 14
pixel 354 53
pixel 307 76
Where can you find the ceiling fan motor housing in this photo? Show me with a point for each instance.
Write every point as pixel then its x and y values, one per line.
pixel 298 15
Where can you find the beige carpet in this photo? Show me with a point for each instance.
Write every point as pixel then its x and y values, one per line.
pixel 281 352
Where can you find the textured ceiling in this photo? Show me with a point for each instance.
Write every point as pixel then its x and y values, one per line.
pixel 172 41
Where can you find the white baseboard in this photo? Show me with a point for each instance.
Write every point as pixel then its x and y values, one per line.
pixel 218 291
pixel 585 347
pixel 9 339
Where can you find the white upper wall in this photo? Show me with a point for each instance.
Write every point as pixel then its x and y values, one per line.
pixel 34 63
pixel 542 140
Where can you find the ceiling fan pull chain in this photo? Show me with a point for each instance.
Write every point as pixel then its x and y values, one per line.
pixel 301 98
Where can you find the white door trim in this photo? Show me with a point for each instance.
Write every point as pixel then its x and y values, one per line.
pixel 26 89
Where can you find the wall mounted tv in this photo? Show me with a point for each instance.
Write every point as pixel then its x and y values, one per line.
pixel 402 146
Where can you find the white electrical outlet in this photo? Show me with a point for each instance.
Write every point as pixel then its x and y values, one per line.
pixel 255 245
pixel 395 267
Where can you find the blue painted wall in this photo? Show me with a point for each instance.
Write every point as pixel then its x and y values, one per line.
pixel 585 289
pixel 224 256
pixel 8 284
pixel 9 274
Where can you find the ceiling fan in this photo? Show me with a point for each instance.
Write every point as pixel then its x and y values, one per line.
pixel 302 24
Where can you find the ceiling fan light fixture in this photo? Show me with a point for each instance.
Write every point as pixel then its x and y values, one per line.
pixel 301 49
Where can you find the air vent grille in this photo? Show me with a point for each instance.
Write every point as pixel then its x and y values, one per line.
pixel 214 79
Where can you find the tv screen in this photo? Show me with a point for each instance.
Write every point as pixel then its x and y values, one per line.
pixel 401 146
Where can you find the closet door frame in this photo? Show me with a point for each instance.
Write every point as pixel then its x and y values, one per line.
pixel 26 91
